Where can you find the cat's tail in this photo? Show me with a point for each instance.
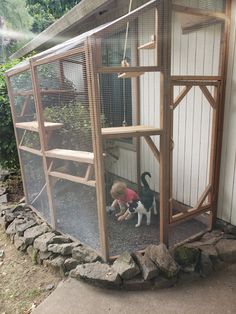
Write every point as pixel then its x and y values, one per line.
pixel 143 179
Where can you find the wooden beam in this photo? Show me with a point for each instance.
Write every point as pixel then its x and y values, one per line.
pixel 196 78
pixel 199 12
pixel 129 131
pixel 165 120
pixel 70 177
pixel 47 59
pixel 208 96
pixel 153 147
pixel 17 70
pixel 182 217
pixel 31 150
pixel 181 96
pixel 216 159
pixel 130 69
pixel 122 21
pixel 195 83
pixel 94 108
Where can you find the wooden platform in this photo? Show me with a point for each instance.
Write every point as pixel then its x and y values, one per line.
pixel 148 45
pixel 130 131
pixel 130 74
pixel 33 126
pixel 73 155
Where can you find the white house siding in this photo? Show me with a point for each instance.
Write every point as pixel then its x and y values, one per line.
pixel 192 54
pixel 227 192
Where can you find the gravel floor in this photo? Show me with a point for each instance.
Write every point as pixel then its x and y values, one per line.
pixel 76 213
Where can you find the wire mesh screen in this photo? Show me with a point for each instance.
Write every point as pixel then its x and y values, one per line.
pixel 34 179
pixel 24 105
pixel 212 5
pixel 76 211
pixel 69 152
pixel 120 46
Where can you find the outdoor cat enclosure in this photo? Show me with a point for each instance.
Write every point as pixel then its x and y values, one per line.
pixel 142 93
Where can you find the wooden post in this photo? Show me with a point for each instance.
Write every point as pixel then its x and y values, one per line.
pixel 165 91
pixel 94 106
pixel 42 136
pixel 223 63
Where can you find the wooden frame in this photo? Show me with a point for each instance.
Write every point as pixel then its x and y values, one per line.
pixel 95 161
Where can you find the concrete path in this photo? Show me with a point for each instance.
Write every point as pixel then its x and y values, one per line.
pixel 215 295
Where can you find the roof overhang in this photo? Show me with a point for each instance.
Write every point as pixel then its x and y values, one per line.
pixel 68 25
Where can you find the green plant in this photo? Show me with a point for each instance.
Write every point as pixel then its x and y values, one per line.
pixel 76 131
pixel 8 151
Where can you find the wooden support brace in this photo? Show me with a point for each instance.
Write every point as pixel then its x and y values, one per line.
pixel 153 147
pixel 181 96
pixel 25 106
pixel 208 96
pixel 89 172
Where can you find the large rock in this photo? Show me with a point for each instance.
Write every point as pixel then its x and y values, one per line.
pixel 85 255
pixel 62 249
pixel 125 266
pixel 148 269
pixel 71 263
pixel 20 228
pixel 212 237
pixel 42 256
pixel 56 264
pixel 97 273
pixel 188 258
pixel 32 233
pixel 160 255
pixel 227 250
pixel 59 239
pixel 19 243
pixel 11 229
pixel 41 243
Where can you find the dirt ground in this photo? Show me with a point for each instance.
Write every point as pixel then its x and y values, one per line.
pixel 22 284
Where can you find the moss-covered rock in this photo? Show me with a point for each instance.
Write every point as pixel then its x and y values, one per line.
pixel 188 258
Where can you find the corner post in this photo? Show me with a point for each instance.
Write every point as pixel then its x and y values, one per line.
pixel 165 118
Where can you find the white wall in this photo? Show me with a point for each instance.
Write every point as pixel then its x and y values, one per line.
pixel 192 54
pixel 227 192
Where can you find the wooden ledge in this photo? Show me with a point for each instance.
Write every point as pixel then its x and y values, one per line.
pixel 130 131
pixel 73 155
pixel 33 126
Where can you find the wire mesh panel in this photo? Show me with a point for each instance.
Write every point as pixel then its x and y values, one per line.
pixel 76 211
pixel 65 110
pixel 34 179
pixel 125 234
pixel 24 105
pixel 211 5
pixel 123 44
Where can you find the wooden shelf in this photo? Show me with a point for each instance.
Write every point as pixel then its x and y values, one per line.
pixel 73 155
pixel 31 150
pixel 130 131
pixel 70 177
pixel 44 91
pixel 191 23
pixel 149 45
pixel 130 74
pixel 33 126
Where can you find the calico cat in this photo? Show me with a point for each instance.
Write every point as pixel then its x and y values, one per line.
pixel 144 205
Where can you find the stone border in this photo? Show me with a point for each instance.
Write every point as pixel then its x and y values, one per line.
pixel 157 267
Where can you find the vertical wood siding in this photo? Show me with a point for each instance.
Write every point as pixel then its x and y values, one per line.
pixel 227 192
pixel 197 54
pixel 192 54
